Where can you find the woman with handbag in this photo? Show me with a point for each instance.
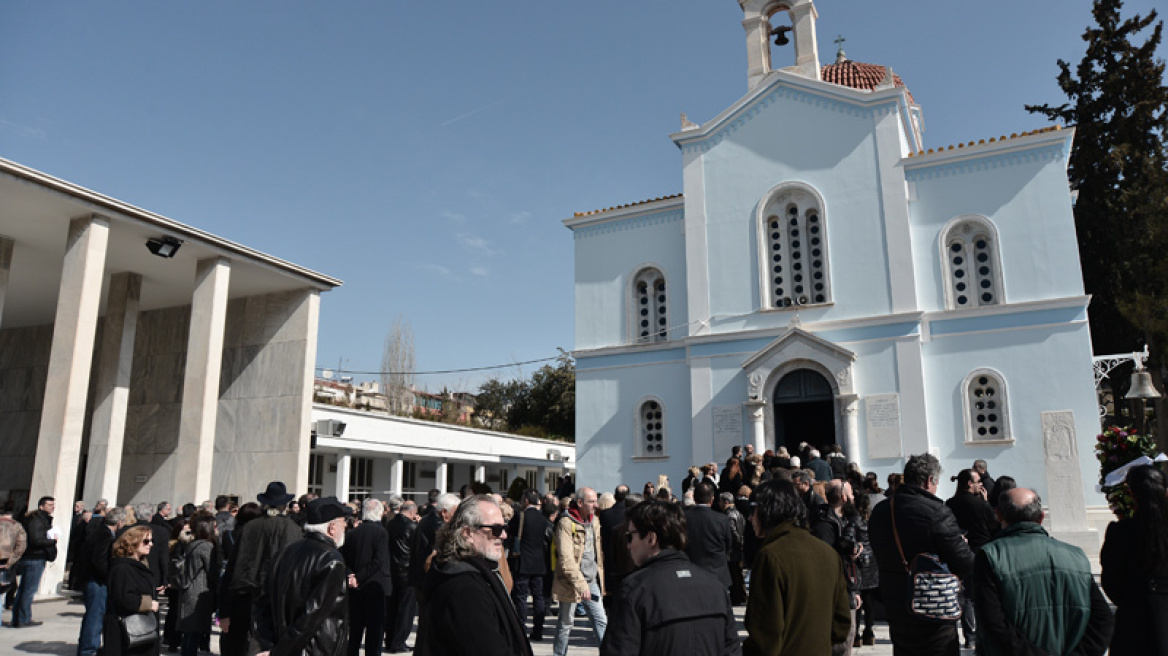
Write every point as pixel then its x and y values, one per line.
pixel 131 621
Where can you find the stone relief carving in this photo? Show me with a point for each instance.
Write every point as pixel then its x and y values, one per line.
pixel 843 377
pixel 755 380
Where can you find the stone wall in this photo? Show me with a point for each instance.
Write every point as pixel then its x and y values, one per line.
pixel 262 431
pixel 24 368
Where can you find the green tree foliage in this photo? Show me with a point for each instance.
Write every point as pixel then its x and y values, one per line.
pixel 1118 103
pixel 541 406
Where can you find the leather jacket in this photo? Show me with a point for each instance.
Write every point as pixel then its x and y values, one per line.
pixel 305 610
pixel 401 538
pixel 40 545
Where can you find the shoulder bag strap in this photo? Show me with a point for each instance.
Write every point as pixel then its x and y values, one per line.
pixel 896 533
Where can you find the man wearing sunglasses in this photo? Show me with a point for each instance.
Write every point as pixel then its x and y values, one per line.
pixel 465 606
pixel 668 605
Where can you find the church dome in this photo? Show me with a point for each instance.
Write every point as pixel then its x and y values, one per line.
pixel 859 75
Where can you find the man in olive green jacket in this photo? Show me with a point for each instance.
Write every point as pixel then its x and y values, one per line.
pixel 1034 594
pixel 798 600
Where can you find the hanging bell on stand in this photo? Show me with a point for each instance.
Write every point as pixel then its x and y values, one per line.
pixel 1140 391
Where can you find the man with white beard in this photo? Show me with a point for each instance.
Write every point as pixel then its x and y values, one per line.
pixel 466 609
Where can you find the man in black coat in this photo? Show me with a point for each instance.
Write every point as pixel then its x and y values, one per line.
pixel 668 606
pixel 708 534
pixel 466 610
pixel 42 549
pixel 305 605
pixel 924 524
pixel 609 520
pixel 91 567
pixel 529 528
pixel 403 603
pixel 440 512
pixel 366 554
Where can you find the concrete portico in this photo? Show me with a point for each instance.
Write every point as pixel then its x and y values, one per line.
pixel 133 377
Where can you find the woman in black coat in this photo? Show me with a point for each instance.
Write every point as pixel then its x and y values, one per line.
pixel 131 591
pixel 1135 568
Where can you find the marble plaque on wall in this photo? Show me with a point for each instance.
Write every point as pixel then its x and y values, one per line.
pixel 1064 479
pixel 727 425
pixel 882 414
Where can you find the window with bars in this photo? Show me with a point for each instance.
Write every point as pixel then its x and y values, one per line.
pixel 972 270
pixel 794 261
pixel 986 412
pixel 651 431
pixel 650 307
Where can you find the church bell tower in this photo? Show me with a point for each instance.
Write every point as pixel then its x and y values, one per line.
pixel 764 21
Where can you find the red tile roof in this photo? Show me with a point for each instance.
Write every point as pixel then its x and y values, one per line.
pixel 859 75
pixel 980 142
pixel 621 207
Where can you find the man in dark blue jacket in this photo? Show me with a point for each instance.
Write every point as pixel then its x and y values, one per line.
pixel 529 530
pixel 366 554
pixel 709 538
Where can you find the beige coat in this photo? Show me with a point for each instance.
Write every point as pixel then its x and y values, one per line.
pixel 569 584
pixel 13 540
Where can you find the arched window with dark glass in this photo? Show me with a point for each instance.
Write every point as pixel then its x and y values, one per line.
pixel 650 307
pixel 793 239
pixel 986 407
pixel 651 429
pixel 972 268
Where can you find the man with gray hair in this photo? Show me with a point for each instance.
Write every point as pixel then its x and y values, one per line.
pixel 423 546
pixel 923 524
pixel 366 554
pixel 92 566
pixel 1034 594
pixel 466 609
pixel 579 577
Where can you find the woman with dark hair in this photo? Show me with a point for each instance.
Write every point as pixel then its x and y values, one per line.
pixel 731 477
pixel 866 568
pixel 979 525
pixel 131 591
pixel 1002 484
pixel 197 583
pixel 650 490
pixel 1135 567
pixel 235 608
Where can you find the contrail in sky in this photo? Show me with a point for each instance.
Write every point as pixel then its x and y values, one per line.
pixel 472 113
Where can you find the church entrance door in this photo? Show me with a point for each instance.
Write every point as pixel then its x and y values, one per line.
pixel 804 410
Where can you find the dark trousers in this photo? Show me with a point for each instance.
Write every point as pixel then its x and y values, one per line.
pixel 170 635
pixel 399 616
pixel 530 585
pixel 866 611
pixel 737 584
pixel 367 619
pixel 916 637
pixel 235 641
pixel 968 619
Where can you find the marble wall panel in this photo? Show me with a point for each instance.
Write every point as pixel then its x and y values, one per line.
pixel 159 471
pixel 17 473
pixel 276 369
pixel 268 424
pixel 152 428
pixel 274 318
pixel 225 426
pixel 25 347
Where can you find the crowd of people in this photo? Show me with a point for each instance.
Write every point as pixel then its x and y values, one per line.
pixel 810 544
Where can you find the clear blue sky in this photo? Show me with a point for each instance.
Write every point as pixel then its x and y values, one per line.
pixel 426 153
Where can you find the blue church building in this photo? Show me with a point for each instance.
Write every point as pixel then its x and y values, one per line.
pixel 826 277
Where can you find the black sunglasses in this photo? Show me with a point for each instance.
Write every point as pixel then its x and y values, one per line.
pixel 629 536
pixel 495 529
pixel 148 541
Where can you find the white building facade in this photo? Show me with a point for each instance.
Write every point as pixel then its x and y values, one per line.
pixel 358 454
pixel 826 278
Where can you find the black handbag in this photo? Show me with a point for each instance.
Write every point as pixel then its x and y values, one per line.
pixel 140 629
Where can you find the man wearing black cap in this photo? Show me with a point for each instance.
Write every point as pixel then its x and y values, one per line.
pixel 306 603
pixel 261 539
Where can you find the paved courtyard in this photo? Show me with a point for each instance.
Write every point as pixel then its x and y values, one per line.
pixel 62 621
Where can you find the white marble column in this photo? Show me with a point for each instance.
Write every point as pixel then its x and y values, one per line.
pixel 6 246
pixel 344 465
pixel 63 412
pixel 757 411
pixel 480 474
pixel 396 471
pixel 311 325
pixel 440 476
pixel 194 455
pixel 112 394
pixel 849 405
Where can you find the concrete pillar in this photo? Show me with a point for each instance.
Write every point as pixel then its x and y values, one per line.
pixel 304 447
pixel 541 480
pixel 63 412
pixel 480 474
pixel 396 471
pixel 440 476
pixel 200 402
pixel 113 388
pixel 344 463
pixel 6 245
pixel 757 411
pixel 850 409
